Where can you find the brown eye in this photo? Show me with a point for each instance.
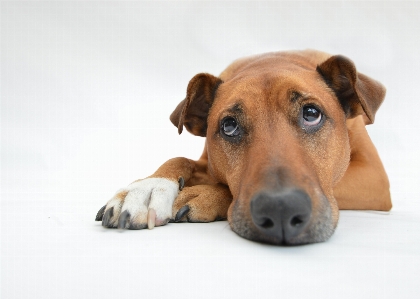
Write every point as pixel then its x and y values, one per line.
pixel 311 116
pixel 230 127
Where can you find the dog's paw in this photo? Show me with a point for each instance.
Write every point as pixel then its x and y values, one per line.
pixel 202 203
pixel 144 203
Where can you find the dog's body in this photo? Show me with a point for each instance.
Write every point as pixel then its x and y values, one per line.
pixel 286 148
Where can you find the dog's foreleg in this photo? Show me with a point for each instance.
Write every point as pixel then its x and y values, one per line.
pixel 202 203
pixel 147 202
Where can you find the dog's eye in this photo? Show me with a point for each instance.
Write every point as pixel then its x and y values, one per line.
pixel 311 116
pixel 230 127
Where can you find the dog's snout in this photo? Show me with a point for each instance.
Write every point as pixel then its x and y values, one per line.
pixel 282 215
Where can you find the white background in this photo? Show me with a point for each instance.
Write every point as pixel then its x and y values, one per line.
pixel 86 93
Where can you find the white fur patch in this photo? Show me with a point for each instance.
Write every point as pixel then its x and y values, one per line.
pixel 152 193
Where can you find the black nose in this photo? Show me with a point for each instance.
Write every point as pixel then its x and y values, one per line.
pixel 282 215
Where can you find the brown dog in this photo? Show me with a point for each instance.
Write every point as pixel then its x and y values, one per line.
pixel 286 148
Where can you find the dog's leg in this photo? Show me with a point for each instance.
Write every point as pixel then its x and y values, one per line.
pixel 365 184
pixel 148 202
pixel 202 203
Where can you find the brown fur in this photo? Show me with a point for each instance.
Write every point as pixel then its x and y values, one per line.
pixel 206 203
pixel 121 195
pixel 338 168
pixel 336 165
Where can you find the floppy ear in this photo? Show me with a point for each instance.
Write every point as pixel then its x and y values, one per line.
pixel 193 111
pixel 356 92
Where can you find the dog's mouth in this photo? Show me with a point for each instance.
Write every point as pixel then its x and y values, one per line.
pixel 287 217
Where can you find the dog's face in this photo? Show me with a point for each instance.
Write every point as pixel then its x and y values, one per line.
pixel 276 135
pixel 273 135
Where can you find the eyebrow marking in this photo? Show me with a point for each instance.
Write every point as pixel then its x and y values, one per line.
pixel 236 108
pixel 296 95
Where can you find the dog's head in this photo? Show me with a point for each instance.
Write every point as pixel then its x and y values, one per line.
pixel 277 136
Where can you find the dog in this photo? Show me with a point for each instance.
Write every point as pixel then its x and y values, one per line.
pixel 286 148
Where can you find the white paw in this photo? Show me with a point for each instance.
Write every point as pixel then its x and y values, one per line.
pixel 145 203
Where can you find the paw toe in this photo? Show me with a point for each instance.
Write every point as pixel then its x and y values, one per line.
pixel 100 214
pixel 123 219
pixel 107 217
pixel 137 226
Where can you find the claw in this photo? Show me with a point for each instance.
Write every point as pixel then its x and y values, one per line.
pixel 137 226
pixel 181 183
pixel 122 220
pixel 107 217
pixel 151 218
pixel 181 213
pixel 100 214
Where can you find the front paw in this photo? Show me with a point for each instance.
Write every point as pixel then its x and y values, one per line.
pixel 202 203
pixel 144 203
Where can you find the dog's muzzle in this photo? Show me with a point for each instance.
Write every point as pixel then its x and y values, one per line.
pixel 282 215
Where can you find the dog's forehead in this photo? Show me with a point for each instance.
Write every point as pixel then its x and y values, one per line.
pixel 272 80
pixel 308 59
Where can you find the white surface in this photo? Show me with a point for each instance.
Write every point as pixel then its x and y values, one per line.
pixel 86 93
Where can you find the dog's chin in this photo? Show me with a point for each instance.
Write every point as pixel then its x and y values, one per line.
pixel 320 228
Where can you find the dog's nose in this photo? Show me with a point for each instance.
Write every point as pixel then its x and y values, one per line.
pixel 282 214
